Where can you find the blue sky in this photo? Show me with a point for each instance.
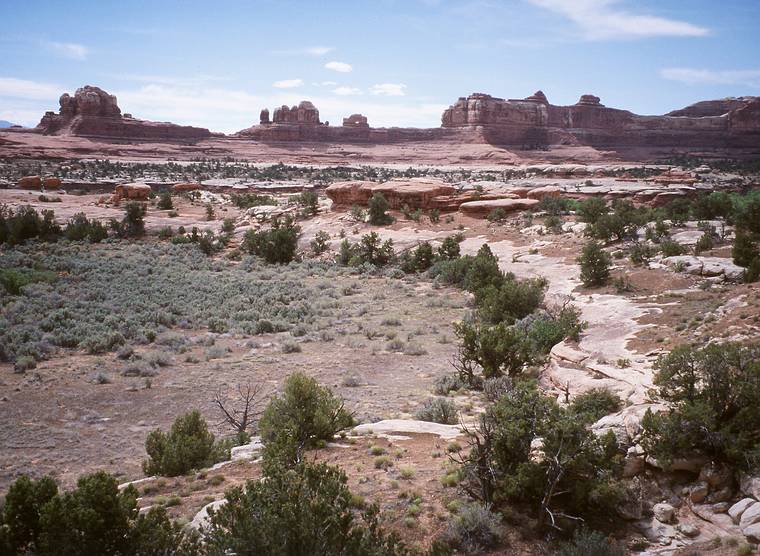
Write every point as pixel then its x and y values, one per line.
pixel 400 62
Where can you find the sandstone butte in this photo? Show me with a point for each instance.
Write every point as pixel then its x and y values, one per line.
pixel 92 112
pixel 530 123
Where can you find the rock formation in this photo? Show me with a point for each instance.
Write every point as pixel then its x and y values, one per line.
pixel 355 120
pixel 303 114
pixel 95 113
pixel 131 191
pixel 415 192
pixel 534 123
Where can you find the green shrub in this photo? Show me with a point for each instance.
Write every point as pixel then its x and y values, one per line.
pixel 165 201
pixel 590 210
pixel 133 223
pixel 304 414
pixel 497 215
pixel 369 250
pixel 188 445
pixel 95 518
pixel 25 223
pixel 276 245
pixel 249 200
pixel 13 279
pixel 377 207
pixel 228 226
pixel 446 384
pixel 474 529
pixel 495 388
pixel 493 350
pixel 672 248
pixel 713 397
pixel 437 410
pixel 309 203
pixel 578 480
pixel 306 509
pixel 594 404
pixel 641 253
pixel 590 543
pixel 595 265
pixel 320 243
pixel 419 260
pixel 449 248
pixel 511 300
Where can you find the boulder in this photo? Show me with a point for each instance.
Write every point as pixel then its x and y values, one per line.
pixel 483 208
pixel 663 512
pixel 739 508
pixel 132 192
pixel 750 516
pixel 30 182
pixel 543 192
pixel 185 186
pixel 717 476
pixel 749 485
pixel 752 533
pixel 688 530
pixel 201 519
pixel 51 182
pixel 699 492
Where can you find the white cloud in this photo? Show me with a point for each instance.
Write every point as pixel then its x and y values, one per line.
pixel 341 67
pixel 691 76
pixel 308 51
pixel 388 89
pixel 605 19
pixel 287 83
pixel 69 50
pixel 325 84
pixel 23 89
pixel 347 91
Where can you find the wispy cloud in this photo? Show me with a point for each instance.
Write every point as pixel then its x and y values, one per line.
pixel 607 19
pixel 306 51
pixel 325 84
pixel 69 50
pixel 23 89
pixel 347 91
pixel 287 83
pixel 388 89
pixel 340 67
pixel 692 76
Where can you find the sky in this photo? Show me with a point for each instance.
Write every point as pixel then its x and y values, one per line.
pixel 216 64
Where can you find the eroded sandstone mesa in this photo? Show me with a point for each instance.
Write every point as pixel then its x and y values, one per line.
pixel 533 122
pixel 95 113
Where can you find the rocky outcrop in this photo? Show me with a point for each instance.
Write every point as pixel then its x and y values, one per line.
pixel 483 208
pixel 355 120
pixel 30 182
pixel 185 186
pixel 415 192
pixel 92 112
pixel 131 191
pixel 531 123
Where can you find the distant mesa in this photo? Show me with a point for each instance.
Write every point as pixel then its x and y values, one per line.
pixel 92 112
pixel 530 123
pixel 5 124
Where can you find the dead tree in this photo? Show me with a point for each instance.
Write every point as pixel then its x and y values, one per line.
pixel 243 414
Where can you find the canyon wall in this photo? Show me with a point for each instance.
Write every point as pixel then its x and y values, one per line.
pixel 92 112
